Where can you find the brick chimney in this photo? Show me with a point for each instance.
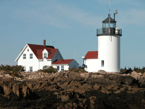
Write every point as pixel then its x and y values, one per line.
pixel 44 42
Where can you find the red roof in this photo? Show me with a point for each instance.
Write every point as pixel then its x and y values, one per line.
pixel 66 61
pixel 92 55
pixel 37 50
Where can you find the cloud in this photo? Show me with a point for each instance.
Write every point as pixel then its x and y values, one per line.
pixel 60 15
pixel 57 15
pixel 131 17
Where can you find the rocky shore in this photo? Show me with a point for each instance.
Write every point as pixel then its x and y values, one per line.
pixel 71 90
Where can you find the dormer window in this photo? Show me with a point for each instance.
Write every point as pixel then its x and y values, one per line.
pixel 45 55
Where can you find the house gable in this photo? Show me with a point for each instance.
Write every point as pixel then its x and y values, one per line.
pixel 73 64
pixel 57 56
pixel 29 55
pixel 27 59
pixel 23 49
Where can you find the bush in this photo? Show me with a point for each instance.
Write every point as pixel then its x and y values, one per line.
pixel 49 70
pixel 126 71
pixel 129 70
pixel 14 68
pixel 81 69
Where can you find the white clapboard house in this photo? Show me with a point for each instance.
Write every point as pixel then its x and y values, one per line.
pixel 35 57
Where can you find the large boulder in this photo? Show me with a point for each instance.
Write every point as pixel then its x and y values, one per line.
pixel 26 91
pixel 135 75
pixel 16 89
pixel 7 87
pixel 128 80
pixel 144 74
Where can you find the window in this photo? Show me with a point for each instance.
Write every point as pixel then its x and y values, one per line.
pixel 31 69
pixel 62 68
pixel 24 56
pixel 102 63
pixel 31 56
pixel 106 25
pixel 57 67
pixel 45 55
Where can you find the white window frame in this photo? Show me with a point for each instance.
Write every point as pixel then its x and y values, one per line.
pixel 31 69
pixel 62 67
pixel 45 55
pixel 57 67
pixel 24 56
pixel 31 56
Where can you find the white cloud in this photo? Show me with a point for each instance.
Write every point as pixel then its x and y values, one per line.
pixel 61 15
pixel 132 17
pixel 57 14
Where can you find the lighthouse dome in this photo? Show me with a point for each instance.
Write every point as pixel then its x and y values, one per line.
pixel 107 20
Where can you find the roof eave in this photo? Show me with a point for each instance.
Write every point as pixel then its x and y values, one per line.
pixel 60 64
pixel 91 58
pixel 21 52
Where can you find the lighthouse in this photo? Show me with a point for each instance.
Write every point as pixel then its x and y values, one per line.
pixel 109 45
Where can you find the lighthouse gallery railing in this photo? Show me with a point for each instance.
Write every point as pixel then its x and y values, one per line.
pixel 105 31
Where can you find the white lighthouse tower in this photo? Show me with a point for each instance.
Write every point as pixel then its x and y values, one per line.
pixel 109 45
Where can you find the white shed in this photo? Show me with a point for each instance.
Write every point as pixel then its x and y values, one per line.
pixel 65 64
pixel 90 61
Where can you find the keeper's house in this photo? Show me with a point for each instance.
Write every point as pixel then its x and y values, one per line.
pixel 35 57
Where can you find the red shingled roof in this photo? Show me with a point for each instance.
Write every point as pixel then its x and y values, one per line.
pixel 37 50
pixel 66 61
pixel 92 55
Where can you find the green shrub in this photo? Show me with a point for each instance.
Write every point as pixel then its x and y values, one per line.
pixel 14 68
pixel 81 69
pixel 125 70
pixel 49 70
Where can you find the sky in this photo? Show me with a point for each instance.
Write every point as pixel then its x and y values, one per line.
pixel 70 26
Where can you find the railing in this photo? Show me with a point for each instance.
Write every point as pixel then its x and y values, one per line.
pixel 105 31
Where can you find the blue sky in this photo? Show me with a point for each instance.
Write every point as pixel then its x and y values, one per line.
pixel 72 25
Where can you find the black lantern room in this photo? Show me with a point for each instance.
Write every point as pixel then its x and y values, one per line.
pixel 109 27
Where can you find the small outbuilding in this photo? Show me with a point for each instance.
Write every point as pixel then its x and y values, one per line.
pixel 90 61
pixel 65 64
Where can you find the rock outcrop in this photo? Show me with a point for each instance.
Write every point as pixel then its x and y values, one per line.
pixel 71 90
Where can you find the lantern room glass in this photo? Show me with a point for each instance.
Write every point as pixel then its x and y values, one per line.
pixel 106 25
